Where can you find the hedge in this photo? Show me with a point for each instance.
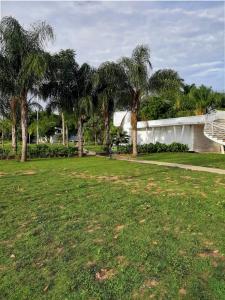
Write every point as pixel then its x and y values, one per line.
pixel 153 148
pixel 41 151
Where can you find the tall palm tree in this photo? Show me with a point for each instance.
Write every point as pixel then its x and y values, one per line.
pixel 8 92
pixel 136 69
pixel 60 84
pixel 27 60
pixel 109 80
pixel 82 104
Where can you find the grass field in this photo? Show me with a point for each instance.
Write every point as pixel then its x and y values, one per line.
pixel 197 159
pixel 95 228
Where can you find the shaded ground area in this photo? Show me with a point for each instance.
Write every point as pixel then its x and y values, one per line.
pixel 96 228
pixel 213 160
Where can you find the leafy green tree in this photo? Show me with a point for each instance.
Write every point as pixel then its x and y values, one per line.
pixel 26 62
pixel 156 107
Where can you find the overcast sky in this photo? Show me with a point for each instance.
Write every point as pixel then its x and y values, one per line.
pixel 186 36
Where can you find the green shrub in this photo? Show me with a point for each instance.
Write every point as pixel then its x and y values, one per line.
pixel 153 148
pixel 44 150
pixel 41 151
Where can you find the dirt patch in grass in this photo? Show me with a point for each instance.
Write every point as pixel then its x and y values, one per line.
pixel 119 228
pixel 105 274
pixel 98 241
pixel 209 253
pixel 2 174
pixel 90 263
pixel 92 228
pixel 150 283
pixel 203 194
pixel 29 172
pixel 120 180
pixel 142 221
pixel 122 260
pixel 182 292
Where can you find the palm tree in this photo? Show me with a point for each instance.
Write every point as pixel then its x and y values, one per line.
pixel 82 104
pixel 60 85
pixel 164 81
pixel 8 92
pixel 109 80
pixel 200 98
pixel 168 85
pixel 136 69
pixel 24 50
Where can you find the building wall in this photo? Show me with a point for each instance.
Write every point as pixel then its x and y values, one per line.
pixel 202 143
pixel 167 135
pixel 191 135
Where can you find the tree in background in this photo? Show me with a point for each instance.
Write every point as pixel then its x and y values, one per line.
pixel 27 60
pixel 109 79
pixel 83 100
pixel 136 69
pixel 201 98
pixel 60 86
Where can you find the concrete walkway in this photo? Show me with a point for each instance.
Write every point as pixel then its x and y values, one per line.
pixel 174 165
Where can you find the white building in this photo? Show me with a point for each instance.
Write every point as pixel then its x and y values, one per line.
pixel 205 133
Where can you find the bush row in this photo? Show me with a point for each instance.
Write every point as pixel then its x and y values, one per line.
pixel 42 151
pixel 51 151
pixel 153 148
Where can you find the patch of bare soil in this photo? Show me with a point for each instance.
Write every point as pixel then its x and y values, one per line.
pixel 182 292
pixel 105 274
pixel 142 221
pixel 114 178
pixel 29 172
pixel 98 241
pixel 2 174
pixel 122 261
pixel 119 228
pixel 186 177
pixel 150 283
pixel 203 194
pixel 91 263
pixel 208 253
pixel 92 228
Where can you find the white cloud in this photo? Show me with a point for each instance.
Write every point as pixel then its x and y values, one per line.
pixel 186 36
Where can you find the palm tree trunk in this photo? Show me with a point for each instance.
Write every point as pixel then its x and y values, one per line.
pixel 107 136
pixel 24 123
pixel 80 138
pixel 134 132
pixel 13 137
pixel 67 136
pixel 2 135
pixel 13 117
pixel 63 128
pixel 134 112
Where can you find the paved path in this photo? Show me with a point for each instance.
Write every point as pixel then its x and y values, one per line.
pixel 174 165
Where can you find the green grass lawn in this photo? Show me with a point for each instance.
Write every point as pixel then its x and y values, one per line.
pixel 197 159
pixel 95 228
